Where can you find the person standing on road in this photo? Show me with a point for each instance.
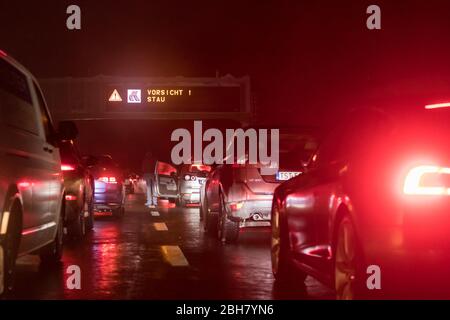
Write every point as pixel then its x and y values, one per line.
pixel 148 168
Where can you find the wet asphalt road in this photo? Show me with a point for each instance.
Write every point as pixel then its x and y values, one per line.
pixel 164 255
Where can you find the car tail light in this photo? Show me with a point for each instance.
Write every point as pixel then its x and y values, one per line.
pixel 427 180
pixel 67 167
pixel 438 105
pixel 235 206
pixel 70 197
pixel 108 179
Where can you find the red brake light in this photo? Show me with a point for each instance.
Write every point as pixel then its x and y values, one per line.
pixel 427 180
pixel 67 167
pixel 3 53
pixel 236 206
pixel 70 197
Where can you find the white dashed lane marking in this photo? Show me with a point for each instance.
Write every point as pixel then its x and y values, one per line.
pixel 174 256
pixel 154 213
pixel 160 226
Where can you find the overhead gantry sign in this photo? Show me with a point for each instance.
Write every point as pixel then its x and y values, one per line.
pixel 105 97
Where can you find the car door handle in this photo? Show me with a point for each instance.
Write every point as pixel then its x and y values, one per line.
pixel 49 150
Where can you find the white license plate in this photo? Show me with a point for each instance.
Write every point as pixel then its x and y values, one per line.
pixel 171 187
pixel 286 175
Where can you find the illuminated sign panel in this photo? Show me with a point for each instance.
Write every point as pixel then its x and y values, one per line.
pixel 174 99
pixel 134 96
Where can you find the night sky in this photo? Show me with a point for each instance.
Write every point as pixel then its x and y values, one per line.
pixel 299 54
pixel 307 60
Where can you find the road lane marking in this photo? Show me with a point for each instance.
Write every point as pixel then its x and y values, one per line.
pixel 154 213
pixel 160 226
pixel 174 256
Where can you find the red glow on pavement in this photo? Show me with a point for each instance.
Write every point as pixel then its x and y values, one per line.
pixel 3 53
pixel 165 204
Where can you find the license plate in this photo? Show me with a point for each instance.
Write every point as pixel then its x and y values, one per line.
pixel 286 175
pixel 171 187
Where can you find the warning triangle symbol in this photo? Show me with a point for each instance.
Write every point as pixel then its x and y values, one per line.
pixel 115 96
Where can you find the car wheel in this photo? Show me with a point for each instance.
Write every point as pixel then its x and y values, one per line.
pixel 282 265
pixel 227 230
pixel 119 212
pixel 52 253
pixel 210 222
pixel 200 211
pixel 347 270
pixel 10 249
pixel 77 228
pixel 90 218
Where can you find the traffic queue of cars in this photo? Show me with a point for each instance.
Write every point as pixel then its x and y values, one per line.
pixel 375 195
pixel 46 187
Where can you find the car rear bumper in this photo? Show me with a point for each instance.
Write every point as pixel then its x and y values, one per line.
pixel 415 252
pixel 193 197
pixel 252 213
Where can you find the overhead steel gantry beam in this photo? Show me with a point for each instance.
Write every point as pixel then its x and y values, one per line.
pixel 88 98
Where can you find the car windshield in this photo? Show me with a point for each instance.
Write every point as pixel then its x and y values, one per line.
pixel 199 170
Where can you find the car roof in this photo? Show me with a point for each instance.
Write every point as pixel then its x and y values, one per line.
pixel 16 64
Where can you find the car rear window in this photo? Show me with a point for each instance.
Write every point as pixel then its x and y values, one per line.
pixel 67 152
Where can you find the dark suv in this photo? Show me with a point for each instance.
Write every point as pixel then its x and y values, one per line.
pixel 109 191
pixel 79 184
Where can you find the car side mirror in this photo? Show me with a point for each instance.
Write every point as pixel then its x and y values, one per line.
pixel 67 130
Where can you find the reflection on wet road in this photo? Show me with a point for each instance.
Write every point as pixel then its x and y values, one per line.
pixel 161 256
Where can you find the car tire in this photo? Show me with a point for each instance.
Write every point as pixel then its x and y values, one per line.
pixel 77 229
pixel 10 250
pixel 282 265
pixel 348 261
pixel 90 218
pixel 211 221
pixel 52 253
pixel 119 212
pixel 200 211
pixel 227 230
